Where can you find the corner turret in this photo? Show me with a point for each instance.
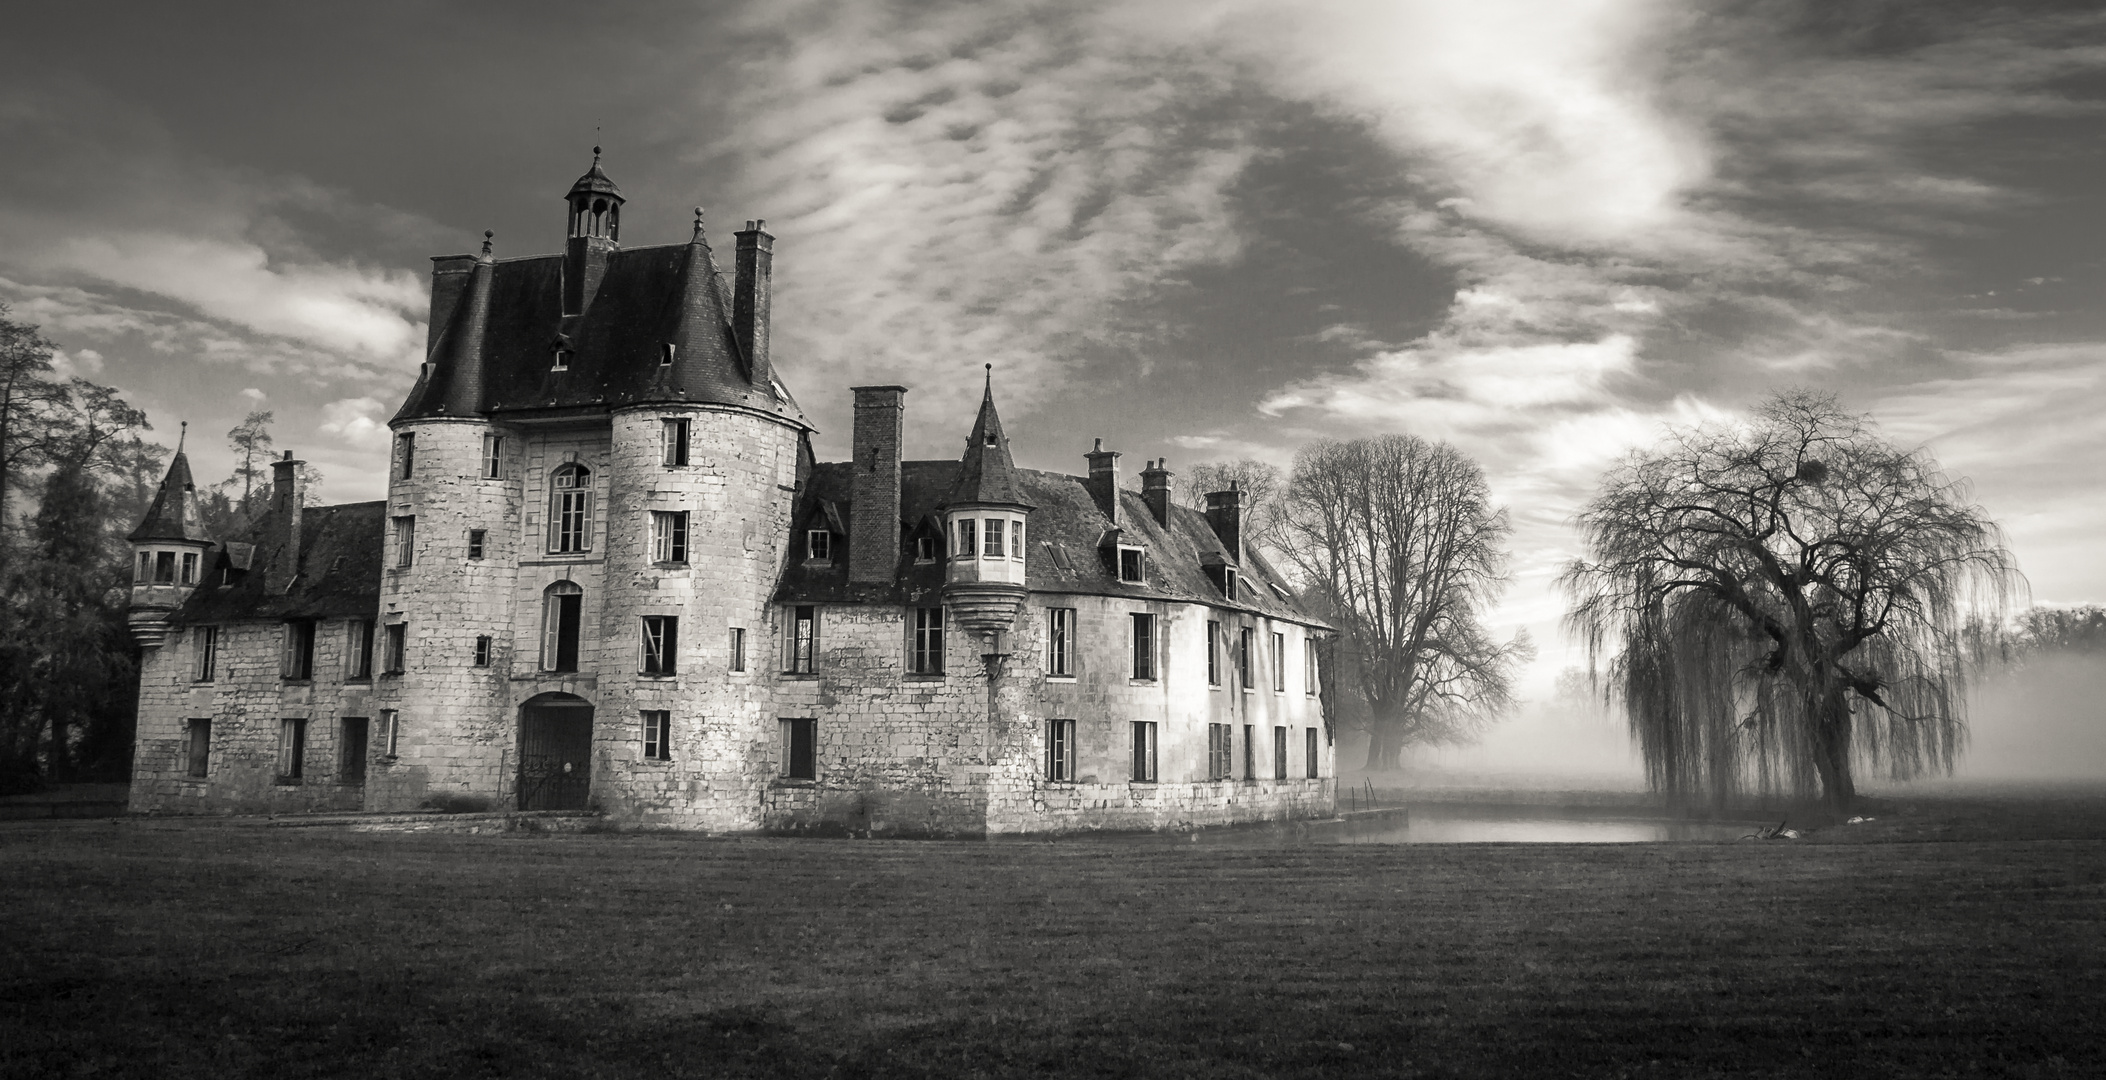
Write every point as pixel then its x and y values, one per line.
pixel 984 518
pixel 168 553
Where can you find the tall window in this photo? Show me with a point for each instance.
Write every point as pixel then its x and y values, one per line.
pixel 661 644
pixel 1144 752
pixel 669 536
pixel 672 440
pixel 390 732
pixel 1250 751
pixel 926 655
pixel 1016 538
pixel 482 650
pixel 570 509
pixel 477 540
pixel 1060 641
pixel 1220 751
pixel 351 750
pixel 405 541
pixel 967 532
pixel 1279 753
pixel 190 568
pixel 493 456
pixel 1213 652
pixel 994 544
pixel 803 639
pixel 1060 751
pixel 405 454
pixel 298 662
pixel 396 650
pixel 1309 682
pixel 1309 752
pixel 197 749
pixel 358 649
pixel 292 749
pixel 1279 663
pixel 657 735
pixel 1143 646
pixel 800 748
pixel 561 608
pixel 1244 674
pixel 204 652
pixel 738 648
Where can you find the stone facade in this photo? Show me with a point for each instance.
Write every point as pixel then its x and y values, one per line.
pixel 609 574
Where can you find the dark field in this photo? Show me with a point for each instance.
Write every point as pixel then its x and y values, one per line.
pixel 1953 940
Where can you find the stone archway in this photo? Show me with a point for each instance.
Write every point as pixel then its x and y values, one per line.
pixel 555 752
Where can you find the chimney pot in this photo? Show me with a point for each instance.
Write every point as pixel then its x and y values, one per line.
pixel 1155 490
pixel 1103 483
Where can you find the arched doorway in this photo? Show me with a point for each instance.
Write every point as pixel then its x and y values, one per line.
pixel 555 752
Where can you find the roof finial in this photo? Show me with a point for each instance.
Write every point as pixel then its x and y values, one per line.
pixel 698 223
pixel 990 380
pixel 487 234
pixel 181 435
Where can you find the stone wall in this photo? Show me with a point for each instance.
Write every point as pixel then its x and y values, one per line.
pixel 247 700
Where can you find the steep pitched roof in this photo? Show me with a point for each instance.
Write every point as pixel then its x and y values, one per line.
pixel 1064 554
pixel 174 513
pixel 338 576
pixel 986 474
pixel 497 350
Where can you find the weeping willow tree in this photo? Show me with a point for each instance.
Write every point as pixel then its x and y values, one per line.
pixel 1780 601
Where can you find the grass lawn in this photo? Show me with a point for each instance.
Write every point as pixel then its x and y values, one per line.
pixel 155 949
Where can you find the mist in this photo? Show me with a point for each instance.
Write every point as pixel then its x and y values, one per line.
pixel 2041 720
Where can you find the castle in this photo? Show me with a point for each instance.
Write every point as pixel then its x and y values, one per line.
pixel 609 574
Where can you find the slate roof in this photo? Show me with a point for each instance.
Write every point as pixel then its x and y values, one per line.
pixel 986 474
pixel 496 351
pixel 596 180
pixel 339 572
pixel 174 514
pixel 1065 531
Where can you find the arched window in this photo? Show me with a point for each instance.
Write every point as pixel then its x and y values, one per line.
pixel 570 509
pixel 560 615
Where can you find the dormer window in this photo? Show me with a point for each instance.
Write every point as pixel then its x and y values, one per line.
pixel 992 440
pixel 1133 565
pixel 818 545
pixel 1228 582
pixel 562 360
pixel 924 549
pixel 665 354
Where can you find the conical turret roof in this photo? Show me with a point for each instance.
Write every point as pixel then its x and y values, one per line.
pixel 595 180
pixel 986 475
pixel 174 514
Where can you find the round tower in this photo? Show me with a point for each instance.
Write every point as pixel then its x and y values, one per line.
pixel 169 550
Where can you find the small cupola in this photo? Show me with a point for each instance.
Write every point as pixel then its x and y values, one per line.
pixel 595 230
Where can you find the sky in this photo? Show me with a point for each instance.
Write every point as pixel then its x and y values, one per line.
pixel 1542 230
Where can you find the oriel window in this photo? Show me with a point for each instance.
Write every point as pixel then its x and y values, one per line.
pixel 164 568
pixel 190 568
pixel 995 544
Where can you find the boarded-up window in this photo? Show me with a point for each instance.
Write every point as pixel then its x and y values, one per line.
pixel 1279 753
pixel 1309 753
pixel 197 749
pixel 351 751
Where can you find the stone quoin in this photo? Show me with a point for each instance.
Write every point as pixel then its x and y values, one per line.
pixel 609 574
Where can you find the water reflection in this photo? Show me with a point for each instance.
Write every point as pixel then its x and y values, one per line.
pixel 1524 825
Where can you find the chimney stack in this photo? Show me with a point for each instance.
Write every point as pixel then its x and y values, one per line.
pixel 873 489
pixel 1103 483
pixel 1155 490
pixel 751 303
pixel 288 493
pixel 449 280
pixel 1225 514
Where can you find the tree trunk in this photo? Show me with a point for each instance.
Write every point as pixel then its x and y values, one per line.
pixel 1829 710
pixel 1385 744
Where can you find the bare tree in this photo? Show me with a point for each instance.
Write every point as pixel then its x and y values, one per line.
pixel 1783 598
pixel 1398 537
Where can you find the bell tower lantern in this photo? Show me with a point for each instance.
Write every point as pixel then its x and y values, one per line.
pixel 595 230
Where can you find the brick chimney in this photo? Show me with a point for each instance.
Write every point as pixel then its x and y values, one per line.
pixel 1225 514
pixel 1103 483
pixel 873 489
pixel 288 493
pixel 751 303
pixel 1155 490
